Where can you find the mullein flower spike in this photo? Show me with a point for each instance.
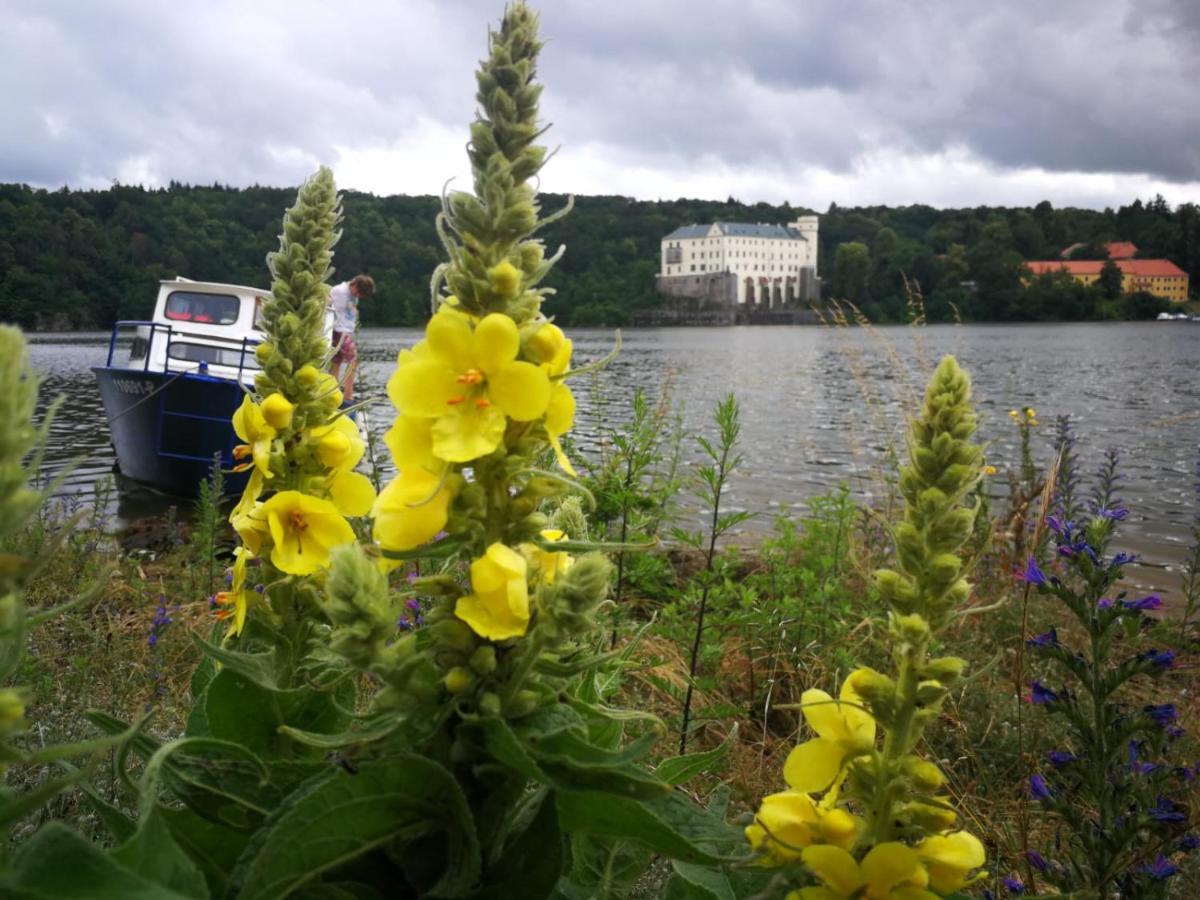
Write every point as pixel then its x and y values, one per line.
pixel 294 443
pixel 482 404
pixel 897 835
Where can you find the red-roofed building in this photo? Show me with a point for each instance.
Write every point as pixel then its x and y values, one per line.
pixel 1114 249
pixel 1159 277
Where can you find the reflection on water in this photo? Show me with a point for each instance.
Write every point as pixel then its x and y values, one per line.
pixel 819 406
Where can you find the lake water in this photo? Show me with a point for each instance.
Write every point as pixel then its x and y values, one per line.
pixel 819 405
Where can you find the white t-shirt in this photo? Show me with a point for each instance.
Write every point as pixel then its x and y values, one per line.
pixel 345 307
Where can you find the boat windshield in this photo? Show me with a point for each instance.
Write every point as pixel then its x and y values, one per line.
pixel 206 309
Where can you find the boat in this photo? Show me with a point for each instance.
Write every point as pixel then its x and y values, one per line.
pixel 171 384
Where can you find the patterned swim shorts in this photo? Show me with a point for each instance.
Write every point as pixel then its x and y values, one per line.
pixel 344 349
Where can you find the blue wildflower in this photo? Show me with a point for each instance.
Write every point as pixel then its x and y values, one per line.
pixel 1162 714
pixel 1161 869
pixel 1136 766
pixel 1013 885
pixel 1060 758
pixel 1037 860
pixel 1039 789
pixel 1041 694
pixel 1116 514
pixel 1121 559
pixel 1049 639
pixel 1167 812
pixel 1151 601
pixel 1189 843
pixel 1164 659
pixel 1032 574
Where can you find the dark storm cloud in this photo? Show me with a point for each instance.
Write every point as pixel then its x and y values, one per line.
pixel 242 93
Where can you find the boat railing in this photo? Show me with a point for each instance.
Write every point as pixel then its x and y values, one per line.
pixel 143 347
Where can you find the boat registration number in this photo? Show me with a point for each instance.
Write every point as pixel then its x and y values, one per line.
pixel 130 386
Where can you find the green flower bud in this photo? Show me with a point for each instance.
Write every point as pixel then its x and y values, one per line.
pixel 263 352
pixel 521 705
pixel 483 660
pixel 911 628
pixel 930 692
pixel 455 635
pixel 459 680
pixel 12 710
pixel 923 774
pixel 489 704
pixel 947 669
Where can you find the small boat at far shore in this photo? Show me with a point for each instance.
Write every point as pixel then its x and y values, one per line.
pixel 170 400
pixel 1176 317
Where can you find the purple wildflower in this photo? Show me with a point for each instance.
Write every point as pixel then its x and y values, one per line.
pixel 1049 639
pixel 1041 694
pixel 1164 659
pixel 1039 789
pixel 403 624
pixel 1116 514
pixel 1032 574
pixel 412 576
pixel 1037 860
pixel 1189 843
pixel 1104 603
pixel 1167 812
pixel 1013 885
pixel 413 604
pixel 1162 714
pixel 1161 869
pixel 1135 766
pixel 1059 525
pixel 1060 758
pixel 1121 559
pixel 1151 601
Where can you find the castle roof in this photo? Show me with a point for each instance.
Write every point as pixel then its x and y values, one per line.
pixel 736 229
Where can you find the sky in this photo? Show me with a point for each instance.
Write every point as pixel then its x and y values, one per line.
pixel 860 102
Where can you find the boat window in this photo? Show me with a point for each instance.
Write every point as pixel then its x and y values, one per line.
pixel 214 356
pixel 206 309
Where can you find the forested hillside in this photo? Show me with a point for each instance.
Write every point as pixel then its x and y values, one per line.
pixel 80 259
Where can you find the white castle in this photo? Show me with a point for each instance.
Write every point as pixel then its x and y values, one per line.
pixel 766 266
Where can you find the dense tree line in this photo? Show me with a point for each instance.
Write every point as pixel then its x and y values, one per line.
pixel 79 259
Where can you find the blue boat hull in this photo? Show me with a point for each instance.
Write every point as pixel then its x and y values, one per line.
pixel 167 427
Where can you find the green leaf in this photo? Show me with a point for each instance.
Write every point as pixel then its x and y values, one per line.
pixel 153 854
pixel 256 667
pixel 680 769
pixel 692 882
pixel 530 865
pixel 668 825
pixel 327 742
pixel 57 863
pixel 244 712
pixel 213 847
pixel 342 816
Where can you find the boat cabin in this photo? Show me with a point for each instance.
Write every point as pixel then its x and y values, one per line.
pixel 202 327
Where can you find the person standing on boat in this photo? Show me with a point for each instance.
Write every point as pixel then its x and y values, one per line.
pixel 344 299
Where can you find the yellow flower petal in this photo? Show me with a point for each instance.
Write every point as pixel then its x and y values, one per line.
pixel 891 865
pixel 339 444
pixel 352 493
pixel 411 444
pixel 783 826
pixel 834 866
pixel 950 859
pixel 449 336
pixel 424 387
pixel 498 606
pixel 411 510
pixel 468 435
pixel 813 765
pixel 560 411
pixel 496 343
pixel 521 389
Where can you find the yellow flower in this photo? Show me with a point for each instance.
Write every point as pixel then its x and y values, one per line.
pixel 789 821
pixel 552 346
pixel 1030 412
pixel 277 410
pixel 1013 414
pixel 950 858
pixel 498 606
pixel 411 444
pixel 303 529
pixel 352 493
pixel 328 391
pixel 411 509
pixel 547 564
pixel 233 601
pixel 843 730
pixel 889 871
pixel 469 381
pixel 251 426
pixel 338 444
pixel 308 375
pixel 989 470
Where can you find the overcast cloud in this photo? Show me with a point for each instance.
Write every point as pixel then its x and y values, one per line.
pixel 946 102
